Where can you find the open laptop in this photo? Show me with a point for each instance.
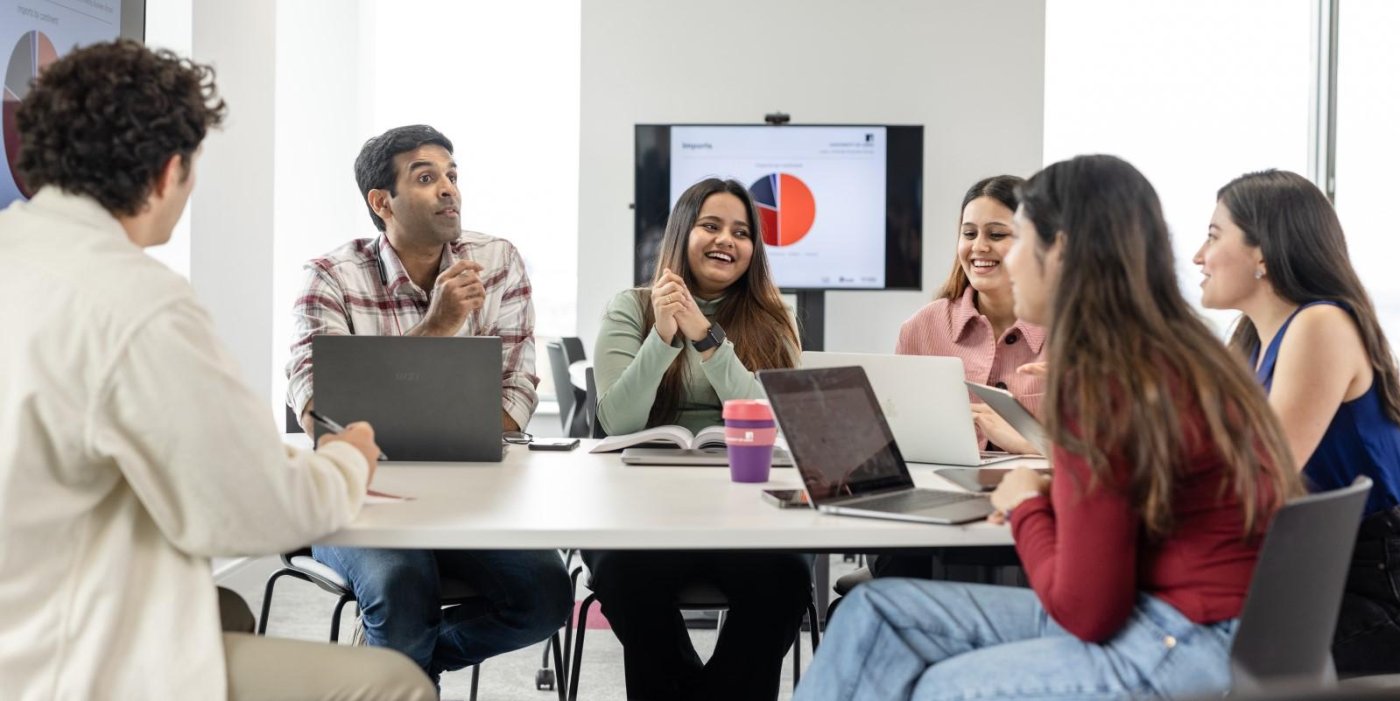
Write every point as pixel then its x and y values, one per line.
pixel 429 399
pixel 846 454
pixel 924 401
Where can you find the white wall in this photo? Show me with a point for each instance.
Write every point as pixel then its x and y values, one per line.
pixel 971 72
pixel 231 217
pixel 320 125
pixel 170 25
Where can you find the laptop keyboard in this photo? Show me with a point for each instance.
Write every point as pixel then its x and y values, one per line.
pixel 916 500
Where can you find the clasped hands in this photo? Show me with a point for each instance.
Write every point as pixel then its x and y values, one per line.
pixel 675 309
pixel 457 292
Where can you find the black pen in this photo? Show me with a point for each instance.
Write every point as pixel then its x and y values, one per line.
pixel 334 427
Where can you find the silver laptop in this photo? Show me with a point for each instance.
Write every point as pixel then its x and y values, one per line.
pixel 1007 407
pixel 429 399
pixel 847 456
pixel 924 401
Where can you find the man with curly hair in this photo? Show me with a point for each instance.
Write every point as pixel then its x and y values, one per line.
pixel 130 451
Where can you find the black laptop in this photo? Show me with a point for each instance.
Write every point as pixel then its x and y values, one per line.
pixel 847 455
pixel 428 399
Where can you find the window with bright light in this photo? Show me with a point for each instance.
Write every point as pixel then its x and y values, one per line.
pixel 1192 93
pixel 500 79
pixel 1368 147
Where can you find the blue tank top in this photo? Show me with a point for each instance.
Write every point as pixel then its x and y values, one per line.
pixel 1361 440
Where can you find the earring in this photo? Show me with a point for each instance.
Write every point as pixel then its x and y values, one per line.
pixel 1259 275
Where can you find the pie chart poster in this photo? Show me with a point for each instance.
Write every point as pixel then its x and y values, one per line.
pixel 34 34
pixel 820 193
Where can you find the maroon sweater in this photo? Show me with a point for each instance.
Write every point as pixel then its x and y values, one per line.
pixel 1087 556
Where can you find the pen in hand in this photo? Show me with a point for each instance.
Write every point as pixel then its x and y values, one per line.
pixel 334 427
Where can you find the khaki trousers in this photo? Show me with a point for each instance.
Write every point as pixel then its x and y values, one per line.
pixel 277 669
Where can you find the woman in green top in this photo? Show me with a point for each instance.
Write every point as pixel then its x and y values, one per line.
pixel 674 352
pixel 671 354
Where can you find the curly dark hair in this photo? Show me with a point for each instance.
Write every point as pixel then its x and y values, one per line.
pixel 374 167
pixel 103 120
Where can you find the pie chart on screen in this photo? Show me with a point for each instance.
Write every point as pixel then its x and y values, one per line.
pixel 786 207
pixel 31 54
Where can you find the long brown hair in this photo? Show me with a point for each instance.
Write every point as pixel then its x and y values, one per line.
pixel 752 312
pixel 1297 230
pixel 1127 354
pixel 1001 188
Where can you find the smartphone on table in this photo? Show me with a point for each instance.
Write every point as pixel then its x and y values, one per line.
pixel 787 498
pixel 554 444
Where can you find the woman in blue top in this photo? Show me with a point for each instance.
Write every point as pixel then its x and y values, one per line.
pixel 1275 251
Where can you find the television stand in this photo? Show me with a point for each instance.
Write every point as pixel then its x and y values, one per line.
pixel 811 319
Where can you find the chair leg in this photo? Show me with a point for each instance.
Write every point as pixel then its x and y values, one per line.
pixel 476 677
pixel 582 626
pixel 559 665
pixel 796 660
pixel 267 600
pixel 814 626
pixel 335 617
pixel 569 622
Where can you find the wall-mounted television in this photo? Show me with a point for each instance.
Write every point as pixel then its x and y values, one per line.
pixel 841 206
pixel 33 34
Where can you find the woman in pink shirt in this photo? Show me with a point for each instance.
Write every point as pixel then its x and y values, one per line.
pixel 972 318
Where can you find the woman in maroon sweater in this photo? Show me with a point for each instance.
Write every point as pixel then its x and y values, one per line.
pixel 1167 472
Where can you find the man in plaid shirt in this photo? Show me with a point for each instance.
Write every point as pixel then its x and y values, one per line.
pixel 425 276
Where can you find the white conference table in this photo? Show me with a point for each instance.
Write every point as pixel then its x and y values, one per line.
pixel 545 499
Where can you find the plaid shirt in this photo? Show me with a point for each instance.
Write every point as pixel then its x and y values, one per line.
pixel 347 292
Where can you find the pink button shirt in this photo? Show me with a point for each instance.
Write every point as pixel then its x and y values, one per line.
pixel 955 328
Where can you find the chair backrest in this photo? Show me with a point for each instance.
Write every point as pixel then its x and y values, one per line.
pixel 563 387
pixel 595 427
pixel 1285 631
pixel 293 426
pixel 573 349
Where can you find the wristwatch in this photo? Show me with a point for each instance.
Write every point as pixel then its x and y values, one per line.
pixel 712 339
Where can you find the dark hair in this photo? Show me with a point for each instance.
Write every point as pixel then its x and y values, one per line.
pixel 1001 188
pixel 1305 252
pixel 104 120
pixel 1127 354
pixel 374 167
pixel 752 312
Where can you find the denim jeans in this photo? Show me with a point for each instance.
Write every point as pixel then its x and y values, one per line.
pixel 913 639
pixel 1368 629
pixel 400 601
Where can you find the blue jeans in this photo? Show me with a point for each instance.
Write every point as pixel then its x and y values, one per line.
pixel 913 639
pixel 398 591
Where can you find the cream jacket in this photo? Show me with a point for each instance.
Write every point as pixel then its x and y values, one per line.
pixel 130 453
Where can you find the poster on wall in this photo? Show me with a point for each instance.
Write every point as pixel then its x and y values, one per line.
pixel 33 34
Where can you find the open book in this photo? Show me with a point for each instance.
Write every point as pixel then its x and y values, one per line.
pixel 710 438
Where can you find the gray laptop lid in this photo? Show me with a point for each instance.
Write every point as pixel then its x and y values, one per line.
pixel 835 431
pixel 922 398
pixel 428 399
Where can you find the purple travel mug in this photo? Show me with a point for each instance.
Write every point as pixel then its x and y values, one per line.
pixel 749 431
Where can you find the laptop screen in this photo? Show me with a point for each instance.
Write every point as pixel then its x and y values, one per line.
pixel 835 430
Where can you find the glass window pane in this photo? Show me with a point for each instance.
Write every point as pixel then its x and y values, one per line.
pixel 1193 93
pixel 1368 147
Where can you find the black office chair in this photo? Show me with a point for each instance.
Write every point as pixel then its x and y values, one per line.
pixel 292 425
pixel 571 399
pixel 1284 638
pixel 595 427
pixel 573 349
pixel 301 565
pixel 697 597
